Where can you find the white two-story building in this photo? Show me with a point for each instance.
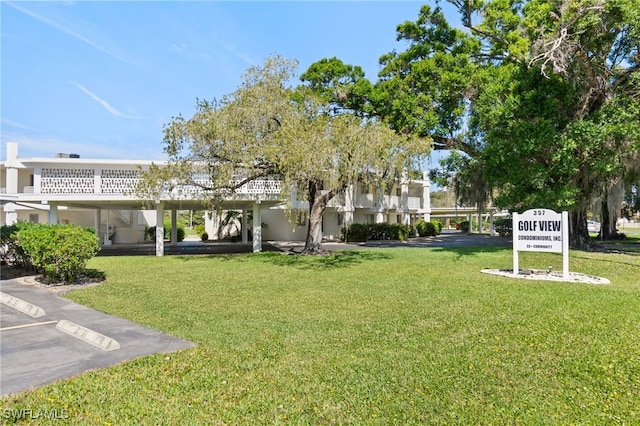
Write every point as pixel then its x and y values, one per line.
pixel 98 193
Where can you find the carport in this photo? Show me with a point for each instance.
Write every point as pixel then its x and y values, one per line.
pixel 103 202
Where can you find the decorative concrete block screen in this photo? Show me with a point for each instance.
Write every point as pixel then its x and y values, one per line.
pixel 66 181
pixel 119 181
pixel 260 186
pixel 122 181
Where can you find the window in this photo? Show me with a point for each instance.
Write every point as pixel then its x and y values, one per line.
pixel 34 218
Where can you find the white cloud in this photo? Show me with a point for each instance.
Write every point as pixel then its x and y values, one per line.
pixel 73 33
pixel 104 103
pixel 235 52
pixel 15 124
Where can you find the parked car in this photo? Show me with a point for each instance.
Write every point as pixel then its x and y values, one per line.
pixel 593 226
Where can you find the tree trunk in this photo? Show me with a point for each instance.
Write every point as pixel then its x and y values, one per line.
pixel 606 232
pixel 317 205
pixel 578 233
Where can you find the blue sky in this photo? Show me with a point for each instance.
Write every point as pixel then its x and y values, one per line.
pixel 100 79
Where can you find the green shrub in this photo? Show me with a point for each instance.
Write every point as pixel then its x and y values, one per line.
pixel 399 231
pixel 426 229
pixel 503 227
pixel 378 231
pixel 13 252
pixel 463 226
pixel 151 232
pixel 59 252
pixel 356 232
pixel 429 229
pixel 199 230
pixel 204 236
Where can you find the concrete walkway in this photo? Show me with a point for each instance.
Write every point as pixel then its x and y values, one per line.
pixel 64 338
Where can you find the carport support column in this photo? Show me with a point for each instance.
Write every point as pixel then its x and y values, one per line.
pixel 404 198
pixel 11 216
pixel 245 225
pixel 426 196
pixel 159 229
pixel 98 219
pixel 174 227
pixel 257 228
pixel 379 207
pixel 53 214
pixel 349 203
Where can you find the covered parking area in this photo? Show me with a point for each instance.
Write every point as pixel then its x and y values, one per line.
pixel 101 203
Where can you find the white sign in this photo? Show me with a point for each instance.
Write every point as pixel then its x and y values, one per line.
pixel 541 230
pixel 538 230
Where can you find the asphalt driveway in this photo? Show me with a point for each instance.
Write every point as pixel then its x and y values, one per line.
pixel 45 338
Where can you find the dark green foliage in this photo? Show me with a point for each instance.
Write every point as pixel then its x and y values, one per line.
pixel 503 227
pixel 428 229
pixel 355 232
pixel 59 252
pixel 191 218
pixel 151 232
pixel 358 232
pixel 13 252
pixel 464 226
pixel 204 236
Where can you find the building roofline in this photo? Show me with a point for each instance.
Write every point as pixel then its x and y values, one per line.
pixel 92 161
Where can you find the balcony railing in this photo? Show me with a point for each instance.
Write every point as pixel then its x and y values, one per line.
pixel 124 181
pixel 89 181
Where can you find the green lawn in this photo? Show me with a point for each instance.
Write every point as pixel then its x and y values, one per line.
pixel 385 336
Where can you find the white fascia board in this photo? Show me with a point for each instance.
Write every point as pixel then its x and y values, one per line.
pixel 75 162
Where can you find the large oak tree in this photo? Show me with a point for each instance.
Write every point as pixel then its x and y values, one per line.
pixel 269 127
pixel 542 97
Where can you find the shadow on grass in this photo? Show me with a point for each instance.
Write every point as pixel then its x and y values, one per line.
pixel 610 257
pixel 621 246
pixel 462 252
pixel 335 259
pixel 340 258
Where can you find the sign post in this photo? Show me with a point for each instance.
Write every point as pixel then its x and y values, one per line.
pixel 541 230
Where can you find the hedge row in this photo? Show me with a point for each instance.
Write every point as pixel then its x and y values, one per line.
pixel 58 252
pixel 428 229
pixel 358 232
